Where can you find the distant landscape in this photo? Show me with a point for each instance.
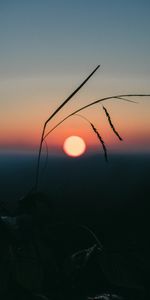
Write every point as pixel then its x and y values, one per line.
pixel 112 198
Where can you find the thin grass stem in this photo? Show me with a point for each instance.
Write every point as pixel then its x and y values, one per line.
pixel 53 114
pixel 120 97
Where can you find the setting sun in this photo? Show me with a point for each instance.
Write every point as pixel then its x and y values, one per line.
pixel 74 146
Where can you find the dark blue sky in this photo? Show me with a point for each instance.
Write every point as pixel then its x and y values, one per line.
pixel 39 35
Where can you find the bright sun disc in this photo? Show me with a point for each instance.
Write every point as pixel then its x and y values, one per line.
pixel 74 146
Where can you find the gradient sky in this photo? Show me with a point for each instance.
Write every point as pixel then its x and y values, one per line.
pixel 48 47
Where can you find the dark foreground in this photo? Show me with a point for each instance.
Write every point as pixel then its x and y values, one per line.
pixel 53 252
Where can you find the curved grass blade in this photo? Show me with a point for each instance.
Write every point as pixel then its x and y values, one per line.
pixel 51 116
pixel 120 97
pixel 111 124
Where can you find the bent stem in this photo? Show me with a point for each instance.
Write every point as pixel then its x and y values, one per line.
pixel 53 114
pixel 118 97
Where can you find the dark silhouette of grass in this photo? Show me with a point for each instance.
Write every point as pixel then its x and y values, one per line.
pixel 111 124
pixel 122 98
pixel 101 140
pixel 97 134
pixel 46 157
pixel 43 135
pixel 37 244
pixel 53 114
pixel 118 97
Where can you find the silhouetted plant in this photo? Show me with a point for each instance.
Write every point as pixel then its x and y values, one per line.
pixel 111 124
pixel 123 97
pixel 97 134
pixel 53 114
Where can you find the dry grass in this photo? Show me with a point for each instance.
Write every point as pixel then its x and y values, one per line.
pixel 111 124
pixel 101 141
pixel 97 134
pixel 116 97
pixel 51 116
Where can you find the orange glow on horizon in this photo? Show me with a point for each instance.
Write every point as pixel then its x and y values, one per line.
pixel 132 126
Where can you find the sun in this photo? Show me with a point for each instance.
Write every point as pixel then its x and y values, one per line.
pixel 74 146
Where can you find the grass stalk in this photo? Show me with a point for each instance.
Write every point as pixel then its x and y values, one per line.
pixel 51 116
pixel 111 124
pixel 98 135
pixel 117 97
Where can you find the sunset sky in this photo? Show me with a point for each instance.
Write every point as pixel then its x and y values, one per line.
pixel 47 49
